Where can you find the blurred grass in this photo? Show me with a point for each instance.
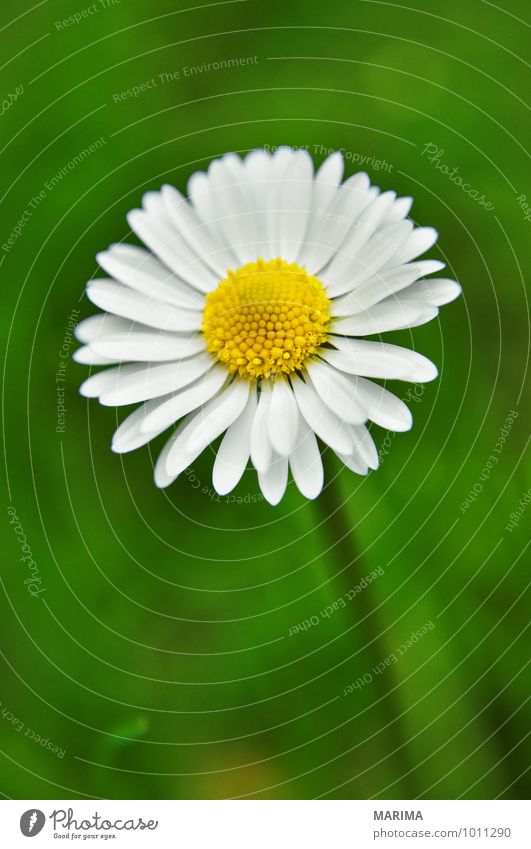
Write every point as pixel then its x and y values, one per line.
pixel 159 655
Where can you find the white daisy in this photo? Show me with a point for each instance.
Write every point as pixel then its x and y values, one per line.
pixel 247 317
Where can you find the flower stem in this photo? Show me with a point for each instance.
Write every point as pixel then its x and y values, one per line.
pixel 363 610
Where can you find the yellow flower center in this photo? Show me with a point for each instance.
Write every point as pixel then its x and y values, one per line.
pixel 266 318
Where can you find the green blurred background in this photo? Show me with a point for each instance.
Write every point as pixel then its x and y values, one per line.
pixel 157 659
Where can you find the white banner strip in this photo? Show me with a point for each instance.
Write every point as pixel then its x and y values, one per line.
pixel 266 824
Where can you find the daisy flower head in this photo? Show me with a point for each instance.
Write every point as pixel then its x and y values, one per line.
pixel 254 311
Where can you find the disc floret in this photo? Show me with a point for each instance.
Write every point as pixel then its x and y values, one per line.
pixel 266 318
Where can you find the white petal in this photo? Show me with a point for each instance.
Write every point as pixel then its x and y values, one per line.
pixel 435 292
pixel 153 204
pixel 257 168
pixel 173 407
pixel 198 430
pixel 306 463
pixel 162 477
pixel 123 301
pixel 354 462
pixel 104 380
pixel 130 434
pixel 99 330
pixel 393 314
pixel 364 444
pixel 149 346
pixel 140 270
pixel 281 161
pixel 150 381
pixel 218 415
pixel 280 195
pixel 385 244
pixel 353 273
pixel 382 406
pixel 261 448
pixel 378 359
pixel 273 481
pixel 337 391
pixel 294 201
pixel 233 453
pixel 426 316
pixel 320 418
pixel 90 328
pixel 382 285
pixel 283 419
pixel 420 241
pixel 164 241
pixel 202 239
pixel 398 211
pixel 429 266
pixel 328 177
pixel 255 178
pixel 389 280
pixel 233 203
pixel 365 226
pixel 325 186
pixel 87 356
pixel 258 175
pixel 201 195
pixel 336 221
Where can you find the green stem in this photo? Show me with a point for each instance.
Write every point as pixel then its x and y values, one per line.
pixel 363 609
